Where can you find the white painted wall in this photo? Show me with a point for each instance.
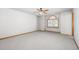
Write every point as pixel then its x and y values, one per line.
pixel 76 25
pixel 14 22
pixel 66 23
pixel 41 23
pixel 38 22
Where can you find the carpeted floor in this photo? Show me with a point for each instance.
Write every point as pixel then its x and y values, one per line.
pixel 39 41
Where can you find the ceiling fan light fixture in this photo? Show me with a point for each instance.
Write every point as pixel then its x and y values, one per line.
pixel 42 11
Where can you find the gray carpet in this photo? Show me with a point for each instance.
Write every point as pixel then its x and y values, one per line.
pixel 39 41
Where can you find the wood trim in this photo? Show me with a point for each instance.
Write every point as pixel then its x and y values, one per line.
pixel 16 35
pixel 76 43
pixel 72 24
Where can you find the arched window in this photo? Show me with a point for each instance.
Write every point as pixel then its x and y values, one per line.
pixel 53 21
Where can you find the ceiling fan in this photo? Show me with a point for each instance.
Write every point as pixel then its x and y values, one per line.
pixel 41 11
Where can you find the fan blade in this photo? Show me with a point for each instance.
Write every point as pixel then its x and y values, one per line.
pixel 45 10
pixel 39 10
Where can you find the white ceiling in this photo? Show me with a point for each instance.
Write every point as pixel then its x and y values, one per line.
pixel 51 11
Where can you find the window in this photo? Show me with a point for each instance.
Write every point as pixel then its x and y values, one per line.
pixel 52 21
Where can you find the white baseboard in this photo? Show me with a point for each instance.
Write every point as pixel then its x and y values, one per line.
pixel 4 37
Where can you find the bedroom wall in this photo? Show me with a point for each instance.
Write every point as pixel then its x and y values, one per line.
pixel 13 22
pixel 76 25
pixel 66 23
pixel 42 24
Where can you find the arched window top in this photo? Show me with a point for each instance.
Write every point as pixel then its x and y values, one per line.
pixel 52 17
